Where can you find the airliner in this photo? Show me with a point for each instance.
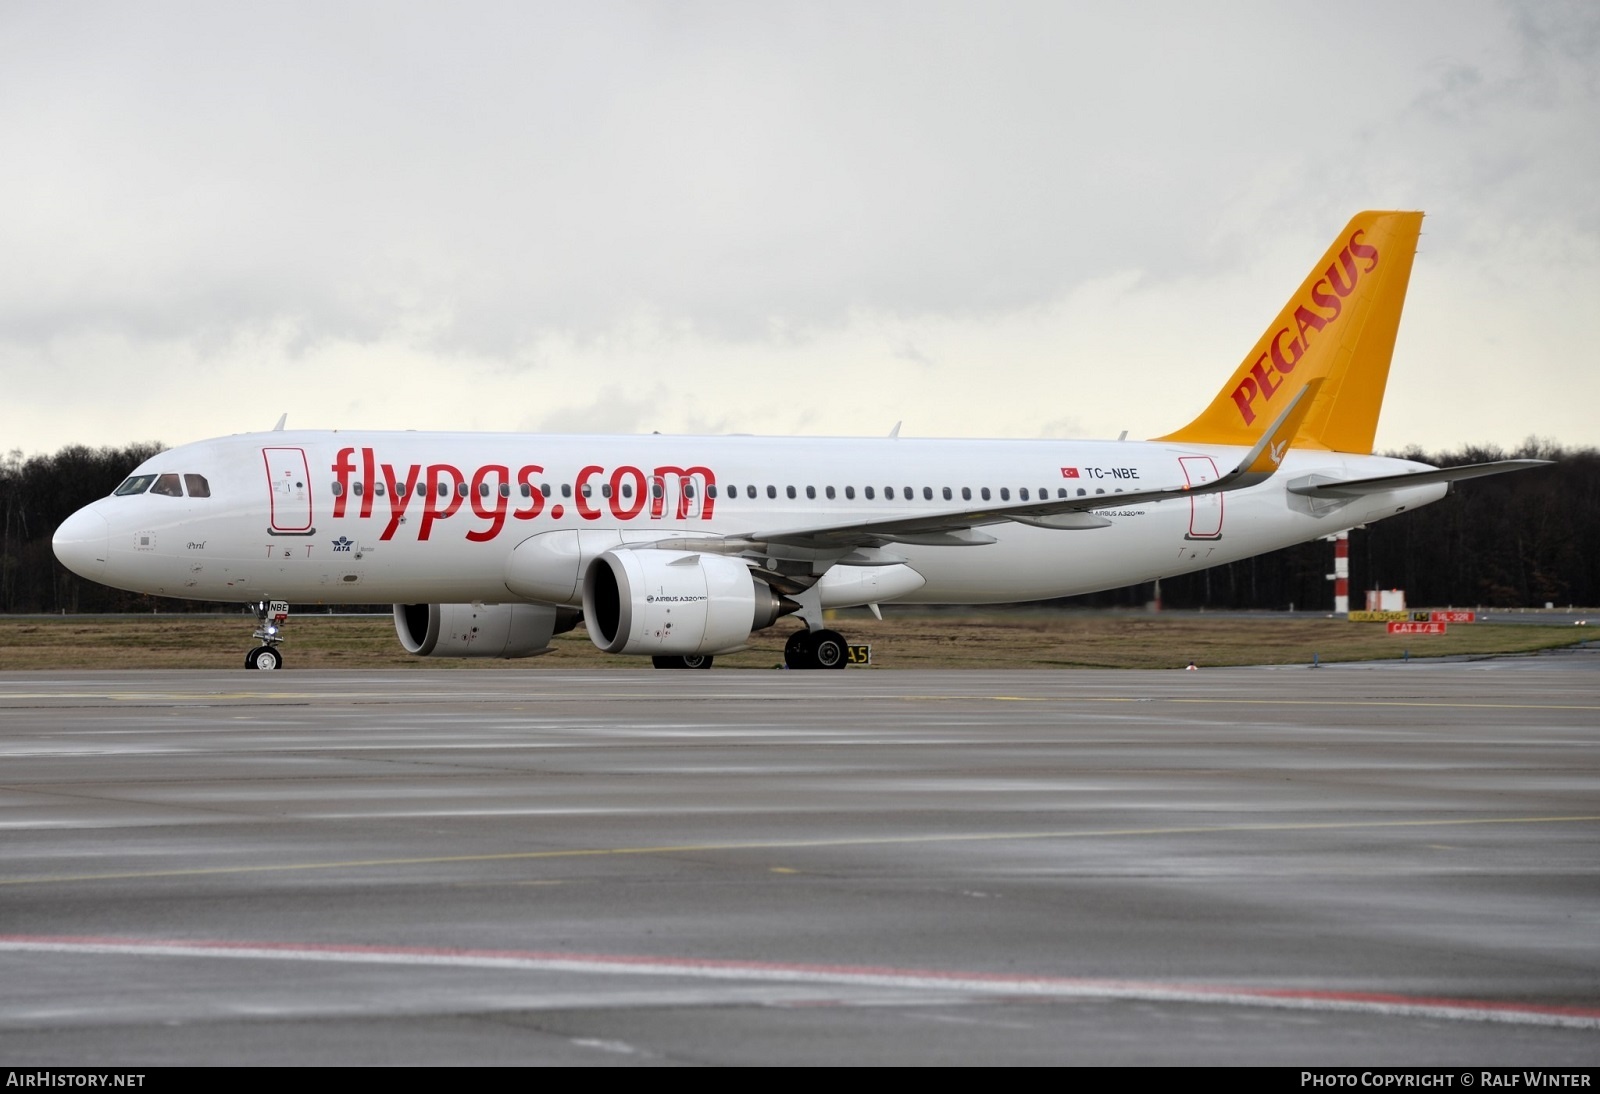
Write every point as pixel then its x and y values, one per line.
pixel 679 548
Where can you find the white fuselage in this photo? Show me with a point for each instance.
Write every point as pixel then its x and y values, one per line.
pixel 337 517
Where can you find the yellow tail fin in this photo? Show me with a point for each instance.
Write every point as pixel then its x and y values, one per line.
pixel 1340 325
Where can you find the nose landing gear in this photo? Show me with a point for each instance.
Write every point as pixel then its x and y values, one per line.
pixel 264 658
pixel 271 617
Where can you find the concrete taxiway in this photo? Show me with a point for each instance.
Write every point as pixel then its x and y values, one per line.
pixel 1361 865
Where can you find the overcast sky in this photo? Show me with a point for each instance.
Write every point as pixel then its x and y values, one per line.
pixel 985 219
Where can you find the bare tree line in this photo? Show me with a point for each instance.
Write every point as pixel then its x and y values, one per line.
pixel 1511 541
pixel 1519 540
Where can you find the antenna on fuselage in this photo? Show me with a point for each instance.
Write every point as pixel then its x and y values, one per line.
pixel 895 432
pixel 284 417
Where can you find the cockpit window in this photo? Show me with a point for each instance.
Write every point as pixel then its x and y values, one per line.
pixel 136 485
pixel 197 485
pixel 167 485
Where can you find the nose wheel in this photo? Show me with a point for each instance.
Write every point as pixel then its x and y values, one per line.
pixel 271 616
pixel 816 650
pixel 264 658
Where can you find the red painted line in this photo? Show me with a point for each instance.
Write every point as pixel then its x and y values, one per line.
pixel 977 983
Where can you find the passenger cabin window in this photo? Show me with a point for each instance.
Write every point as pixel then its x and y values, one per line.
pixel 566 490
pixel 772 491
pixel 829 492
pixel 811 492
pixel 790 491
pixel 867 490
pixel 947 494
pixel 749 491
pixel 984 493
pixel 850 492
pixel 355 488
pixel 136 485
pixel 966 493
pixel 338 489
pixel 927 493
pixel 711 490
pixel 1005 493
pixel 167 486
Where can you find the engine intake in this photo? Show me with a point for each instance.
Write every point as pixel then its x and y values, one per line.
pixel 662 603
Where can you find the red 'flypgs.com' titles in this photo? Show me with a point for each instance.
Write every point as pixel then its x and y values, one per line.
pixel 493 492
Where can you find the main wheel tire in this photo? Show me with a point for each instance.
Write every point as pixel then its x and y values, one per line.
pixel 829 650
pixel 264 658
pixel 687 661
pixel 797 651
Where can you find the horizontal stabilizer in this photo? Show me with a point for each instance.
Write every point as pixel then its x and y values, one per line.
pixel 1320 486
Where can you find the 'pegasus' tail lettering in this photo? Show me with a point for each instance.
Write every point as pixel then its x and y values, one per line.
pixel 1339 326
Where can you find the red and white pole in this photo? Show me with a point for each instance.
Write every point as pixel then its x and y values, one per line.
pixel 1341 573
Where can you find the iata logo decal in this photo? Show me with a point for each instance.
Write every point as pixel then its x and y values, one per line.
pixel 1287 349
pixel 343 543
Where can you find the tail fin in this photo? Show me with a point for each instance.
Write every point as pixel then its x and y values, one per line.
pixel 1340 325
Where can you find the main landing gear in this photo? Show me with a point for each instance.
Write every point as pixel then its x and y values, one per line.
pixel 815 650
pixel 271 615
pixel 687 661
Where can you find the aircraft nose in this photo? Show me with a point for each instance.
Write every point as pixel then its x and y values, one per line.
pixel 82 543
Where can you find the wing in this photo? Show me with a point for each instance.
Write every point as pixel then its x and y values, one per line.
pixel 956 527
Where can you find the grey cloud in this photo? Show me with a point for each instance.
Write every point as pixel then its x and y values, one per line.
pixel 520 167
pixel 484 181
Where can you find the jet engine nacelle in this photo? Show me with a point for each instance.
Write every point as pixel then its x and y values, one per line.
pixel 480 630
pixel 672 603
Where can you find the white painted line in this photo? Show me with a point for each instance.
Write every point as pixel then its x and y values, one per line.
pixel 943 982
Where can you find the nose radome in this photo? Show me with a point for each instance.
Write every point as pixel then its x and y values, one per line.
pixel 82 542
